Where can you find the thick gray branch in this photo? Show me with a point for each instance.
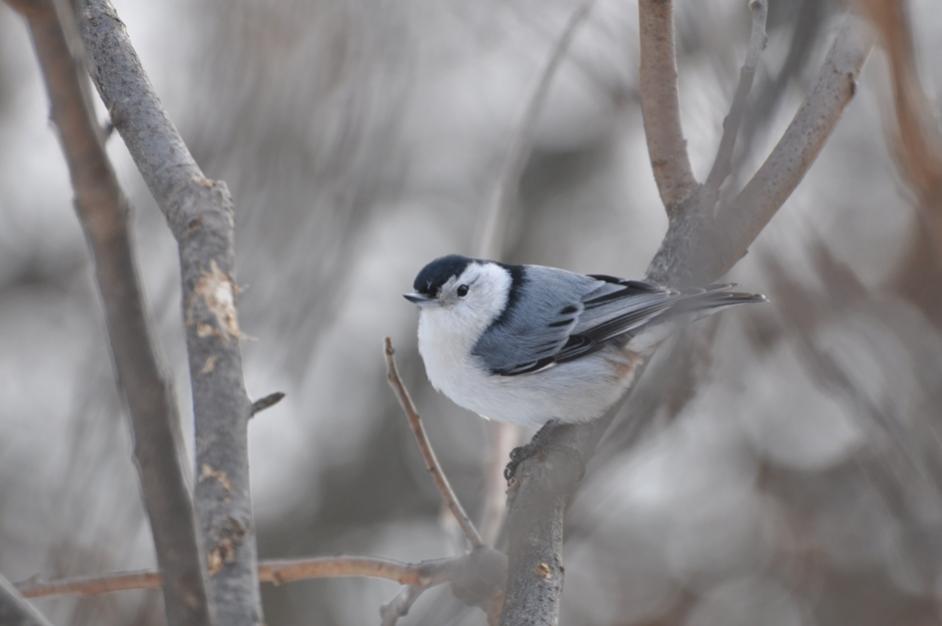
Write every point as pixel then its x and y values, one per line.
pixel 102 210
pixel 697 248
pixel 200 214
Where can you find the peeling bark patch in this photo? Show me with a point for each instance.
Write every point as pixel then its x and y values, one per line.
pixel 194 225
pixel 209 365
pixel 224 551
pixel 207 472
pixel 203 182
pixel 216 289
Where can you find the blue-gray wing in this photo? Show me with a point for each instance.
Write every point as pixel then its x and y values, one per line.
pixel 559 316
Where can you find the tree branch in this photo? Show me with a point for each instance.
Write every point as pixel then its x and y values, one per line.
pixel 425 449
pixel 15 610
pixel 399 606
pixel 199 212
pixel 276 572
pixel 102 210
pixel 660 104
pixel 699 247
pixel 723 163
pixel 696 247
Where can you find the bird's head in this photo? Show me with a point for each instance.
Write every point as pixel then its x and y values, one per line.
pixel 472 290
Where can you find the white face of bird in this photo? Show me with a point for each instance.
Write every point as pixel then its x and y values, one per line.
pixel 471 301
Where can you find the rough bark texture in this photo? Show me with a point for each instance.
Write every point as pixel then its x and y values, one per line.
pixel 200 214
pixel 698 247
pixel 102 210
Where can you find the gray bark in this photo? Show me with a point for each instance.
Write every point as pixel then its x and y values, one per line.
pixel 199 212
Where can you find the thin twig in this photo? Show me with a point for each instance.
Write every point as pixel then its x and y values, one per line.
pixel 399 606
pixel 490 244
pixel 267 402
pixel 200 214
pixel 103 213
pixel 14 609
pixel 425 448
pixel 723 163
pixel 275 572
pixel 660 104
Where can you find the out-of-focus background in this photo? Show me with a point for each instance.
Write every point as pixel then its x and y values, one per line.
pixel 790 472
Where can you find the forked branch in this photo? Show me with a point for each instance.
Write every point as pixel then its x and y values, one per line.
pixel 697 247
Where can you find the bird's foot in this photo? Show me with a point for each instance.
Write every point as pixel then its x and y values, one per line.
pixel 528 450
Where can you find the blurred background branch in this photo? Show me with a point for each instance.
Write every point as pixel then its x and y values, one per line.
pixel 277 572
pixel 916 137
pixel 103 212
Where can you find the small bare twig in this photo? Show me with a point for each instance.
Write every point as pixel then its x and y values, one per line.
pixel 399 606
pixel 660 104
pixel 267 402
pixel 276 572
pixel 15 610
pixel 102 210
pixel 723 163
pixel 425 448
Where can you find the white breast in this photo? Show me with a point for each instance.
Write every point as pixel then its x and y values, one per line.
pixel 575 391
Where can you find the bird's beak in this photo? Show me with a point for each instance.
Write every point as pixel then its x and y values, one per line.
pixel 416 298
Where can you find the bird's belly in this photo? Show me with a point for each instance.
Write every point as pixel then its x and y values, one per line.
pixel 570 392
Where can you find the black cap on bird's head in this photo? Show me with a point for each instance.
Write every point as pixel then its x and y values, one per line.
pixel 430 280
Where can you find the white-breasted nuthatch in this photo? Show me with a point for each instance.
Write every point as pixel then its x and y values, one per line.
pixel 527 344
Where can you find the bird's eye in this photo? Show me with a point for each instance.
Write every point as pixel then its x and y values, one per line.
pixel 462 291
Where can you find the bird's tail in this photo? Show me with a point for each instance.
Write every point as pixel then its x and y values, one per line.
pixel 711 297
pixel 688 306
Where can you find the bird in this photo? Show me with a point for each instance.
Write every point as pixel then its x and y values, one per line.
pixel 529 344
